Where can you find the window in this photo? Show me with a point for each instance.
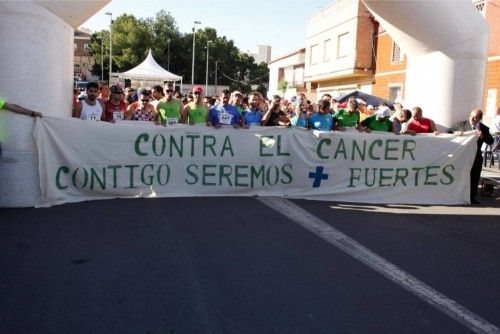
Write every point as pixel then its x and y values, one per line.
pixel 298 78
pixel 327 49
pixel 314 54
pixel 288 74
pixel 75 46
pixel 397 54
pixel 86 47
pixel 395 92
pixel 343 45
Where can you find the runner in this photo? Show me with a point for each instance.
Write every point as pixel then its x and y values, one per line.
pixel 195 112
pixel 323 119
pixel 347 118
pixel 252 116
pixel 90 109
pixel 224 114
pixel 142 110
pixel 169 109
pixel 115 109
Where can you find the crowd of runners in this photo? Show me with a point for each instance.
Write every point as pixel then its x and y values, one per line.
pixel 164 106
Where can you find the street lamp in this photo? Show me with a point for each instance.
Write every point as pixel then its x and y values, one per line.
pixel 206 75
pixel 168 54
pixel 102 58
pixel 192 65
pixel 216 76
pixel 110 43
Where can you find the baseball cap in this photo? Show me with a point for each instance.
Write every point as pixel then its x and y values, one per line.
pixel 382 113
pixel 237 92
pixel 198 89
pixel 361 101
pixel 116 89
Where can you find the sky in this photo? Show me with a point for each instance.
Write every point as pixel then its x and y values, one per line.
pixel 279 23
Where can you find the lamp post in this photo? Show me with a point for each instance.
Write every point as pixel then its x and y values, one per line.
pixel 206 73
pixel 102 58
pixel 216 76
pixel 192 65
pixel 110 43
pixel 168 54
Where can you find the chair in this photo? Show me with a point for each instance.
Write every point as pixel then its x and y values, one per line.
pixel 493 151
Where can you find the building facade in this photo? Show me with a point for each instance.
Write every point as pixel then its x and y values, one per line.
pixel 83 62
pixel 339 49
pixel 263 54
pixel 286 74
pixel 346 50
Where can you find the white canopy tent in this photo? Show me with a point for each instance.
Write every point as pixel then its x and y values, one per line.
pixel 149 72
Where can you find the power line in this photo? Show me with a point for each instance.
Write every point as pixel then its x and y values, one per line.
pixel 246 82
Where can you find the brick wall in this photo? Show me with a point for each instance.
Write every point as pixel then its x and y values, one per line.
pixel 364 38
pixel 384 55
pixel 384 76
pixel 382 83
pixel 492 82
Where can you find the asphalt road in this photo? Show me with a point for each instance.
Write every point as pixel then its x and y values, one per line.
pixel 234 265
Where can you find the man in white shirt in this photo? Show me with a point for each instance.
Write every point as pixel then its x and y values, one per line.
pixel 495 126
pixel 91 108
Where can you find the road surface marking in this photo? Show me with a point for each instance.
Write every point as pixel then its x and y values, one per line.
pixel 380 265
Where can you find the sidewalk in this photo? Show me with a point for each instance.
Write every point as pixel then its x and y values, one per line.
pixel 491 175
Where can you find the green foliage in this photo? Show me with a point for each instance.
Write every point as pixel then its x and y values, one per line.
pixel 132 38
pixel 282 86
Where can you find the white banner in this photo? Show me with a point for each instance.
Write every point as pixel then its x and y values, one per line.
pixel 83 160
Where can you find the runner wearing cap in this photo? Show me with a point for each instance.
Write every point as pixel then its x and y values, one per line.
pixel 378 122
pixel 115 107
pixel 236 98
pixel 195 112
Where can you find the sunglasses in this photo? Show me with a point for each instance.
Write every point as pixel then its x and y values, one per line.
pixel 197 93
pixel 144 100
pixel 169 91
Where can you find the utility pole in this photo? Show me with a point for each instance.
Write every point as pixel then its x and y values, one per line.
pixel 110 44
pixel 168 54
pixel 192 65
pixel 206 72
pixel 216 77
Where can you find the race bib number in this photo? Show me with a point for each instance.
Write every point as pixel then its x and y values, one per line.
pixel 225 118
pixel 118 115
pixel 93 117
pixel 172 121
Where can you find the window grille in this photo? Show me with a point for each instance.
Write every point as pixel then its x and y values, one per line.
pixel 397 54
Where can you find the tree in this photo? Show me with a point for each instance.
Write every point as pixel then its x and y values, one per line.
pixel 282 86
pixel 132 38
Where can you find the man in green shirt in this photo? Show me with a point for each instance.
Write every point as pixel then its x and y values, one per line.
pixel 378 122
pixel 347 118
pixel 169 109
pixel 236 98
pixel 195 112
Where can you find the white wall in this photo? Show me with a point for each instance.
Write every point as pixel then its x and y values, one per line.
pixel 36 66
pixel 336 20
